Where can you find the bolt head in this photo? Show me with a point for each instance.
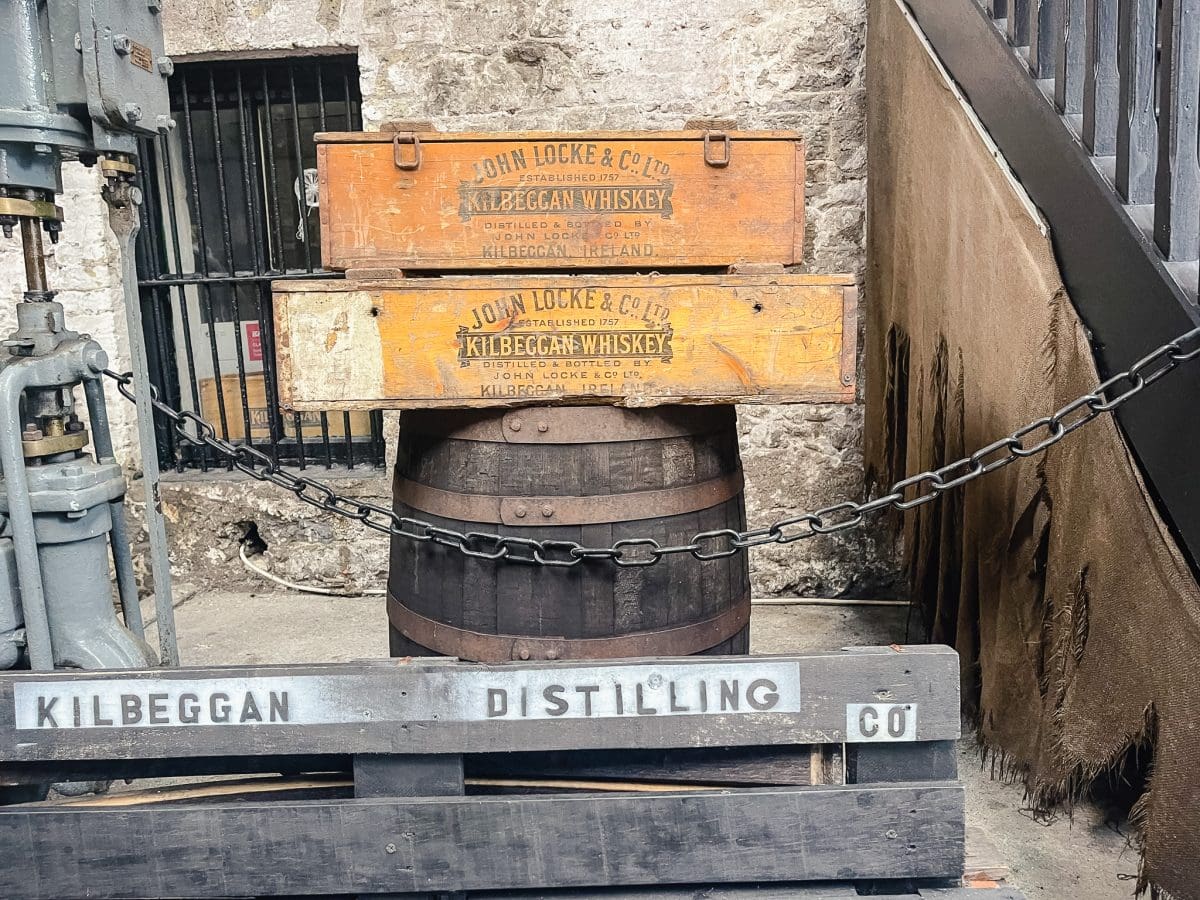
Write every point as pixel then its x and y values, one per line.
pixel 31 433
pixel 132 112
pixel 542 427
pixel 524 654
pixel 521 512
pixel 515 425
pixel 547 511
pixel 551 654
pixel 165 66
pixel 122 44
pixel 72 471
pixel 164 124
pixel 155 6
pixel 390 848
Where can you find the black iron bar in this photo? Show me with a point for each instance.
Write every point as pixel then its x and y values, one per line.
pixel 236 278
pixel 259 277
pixel 227 235
pixel 302 210
pixel 276 224
pixel 347 433
pixel 184 317
pixel 203 292
pixel 324 417
pixel 164 283
pixel 378 449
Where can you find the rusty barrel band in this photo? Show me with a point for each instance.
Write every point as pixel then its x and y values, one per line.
pixel 569 424
pixel 680 640
pixel 594 510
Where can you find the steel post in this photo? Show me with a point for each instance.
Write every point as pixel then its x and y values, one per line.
pixel 123 217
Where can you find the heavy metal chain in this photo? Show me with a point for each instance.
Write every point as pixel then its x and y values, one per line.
pixel 1032 439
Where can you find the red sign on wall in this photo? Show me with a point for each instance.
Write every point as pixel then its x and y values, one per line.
pixel 254 341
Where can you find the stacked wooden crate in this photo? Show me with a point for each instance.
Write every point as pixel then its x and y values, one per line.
pixel 495 271
pixel 713 217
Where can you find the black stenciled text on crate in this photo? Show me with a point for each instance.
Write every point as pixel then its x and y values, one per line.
pixel 231 203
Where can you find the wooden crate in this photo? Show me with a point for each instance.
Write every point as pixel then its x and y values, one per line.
pixel 874 795
pixel 256 405
pixel 552 201
pixel 630 340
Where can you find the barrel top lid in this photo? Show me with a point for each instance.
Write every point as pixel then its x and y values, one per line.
pixel 453 137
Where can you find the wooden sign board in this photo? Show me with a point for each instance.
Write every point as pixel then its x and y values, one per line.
pixel 552 201
pixel 443 706
pixel 629 340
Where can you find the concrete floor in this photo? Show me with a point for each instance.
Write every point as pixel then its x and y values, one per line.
pixel 1060 859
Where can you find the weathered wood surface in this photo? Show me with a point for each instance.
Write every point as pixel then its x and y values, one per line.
pixel 791 891
pixel 630 340
pixel 725 766
pixel 448 844
pixel 878 762
pixel 527 609
pixel 552 201
pixel 432 706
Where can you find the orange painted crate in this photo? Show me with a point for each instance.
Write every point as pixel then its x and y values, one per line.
pixel 536 200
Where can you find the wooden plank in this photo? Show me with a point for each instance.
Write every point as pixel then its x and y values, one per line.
pixel 1177 179
pixel 415 775
pixel 535 200
pixel 1137 121
pixel 443 844
pixel 888 762
pixel 1069 57
pixel 752 892
pixel 629 340
pixel 1044 21
pixel 1101 78
pixel 725 766
pixel 429 706
pixel 392 775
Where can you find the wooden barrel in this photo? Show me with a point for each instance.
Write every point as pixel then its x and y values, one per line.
pixel 590 474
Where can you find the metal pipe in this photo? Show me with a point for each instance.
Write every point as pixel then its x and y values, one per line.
pixel 13 380
pixel 122 552
pixel 35 255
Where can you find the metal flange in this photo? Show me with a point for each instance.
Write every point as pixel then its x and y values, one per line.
pixel 30 209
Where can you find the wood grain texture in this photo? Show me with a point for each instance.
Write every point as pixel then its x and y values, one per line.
pixel 595 599
pixel 629 340
pixel 403 707
pixel 438 844
pixel 529 200
pixel 780 891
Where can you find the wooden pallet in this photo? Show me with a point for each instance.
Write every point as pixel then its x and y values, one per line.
pixel 691 771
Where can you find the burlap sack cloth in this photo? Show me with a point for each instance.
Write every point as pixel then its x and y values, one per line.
pixel 1076 617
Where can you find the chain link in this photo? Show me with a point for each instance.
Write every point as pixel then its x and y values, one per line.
pixel 908 493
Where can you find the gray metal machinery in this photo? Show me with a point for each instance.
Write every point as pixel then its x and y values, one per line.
pixel 79 79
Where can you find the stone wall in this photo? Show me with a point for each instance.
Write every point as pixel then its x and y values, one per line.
pixel 577 65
